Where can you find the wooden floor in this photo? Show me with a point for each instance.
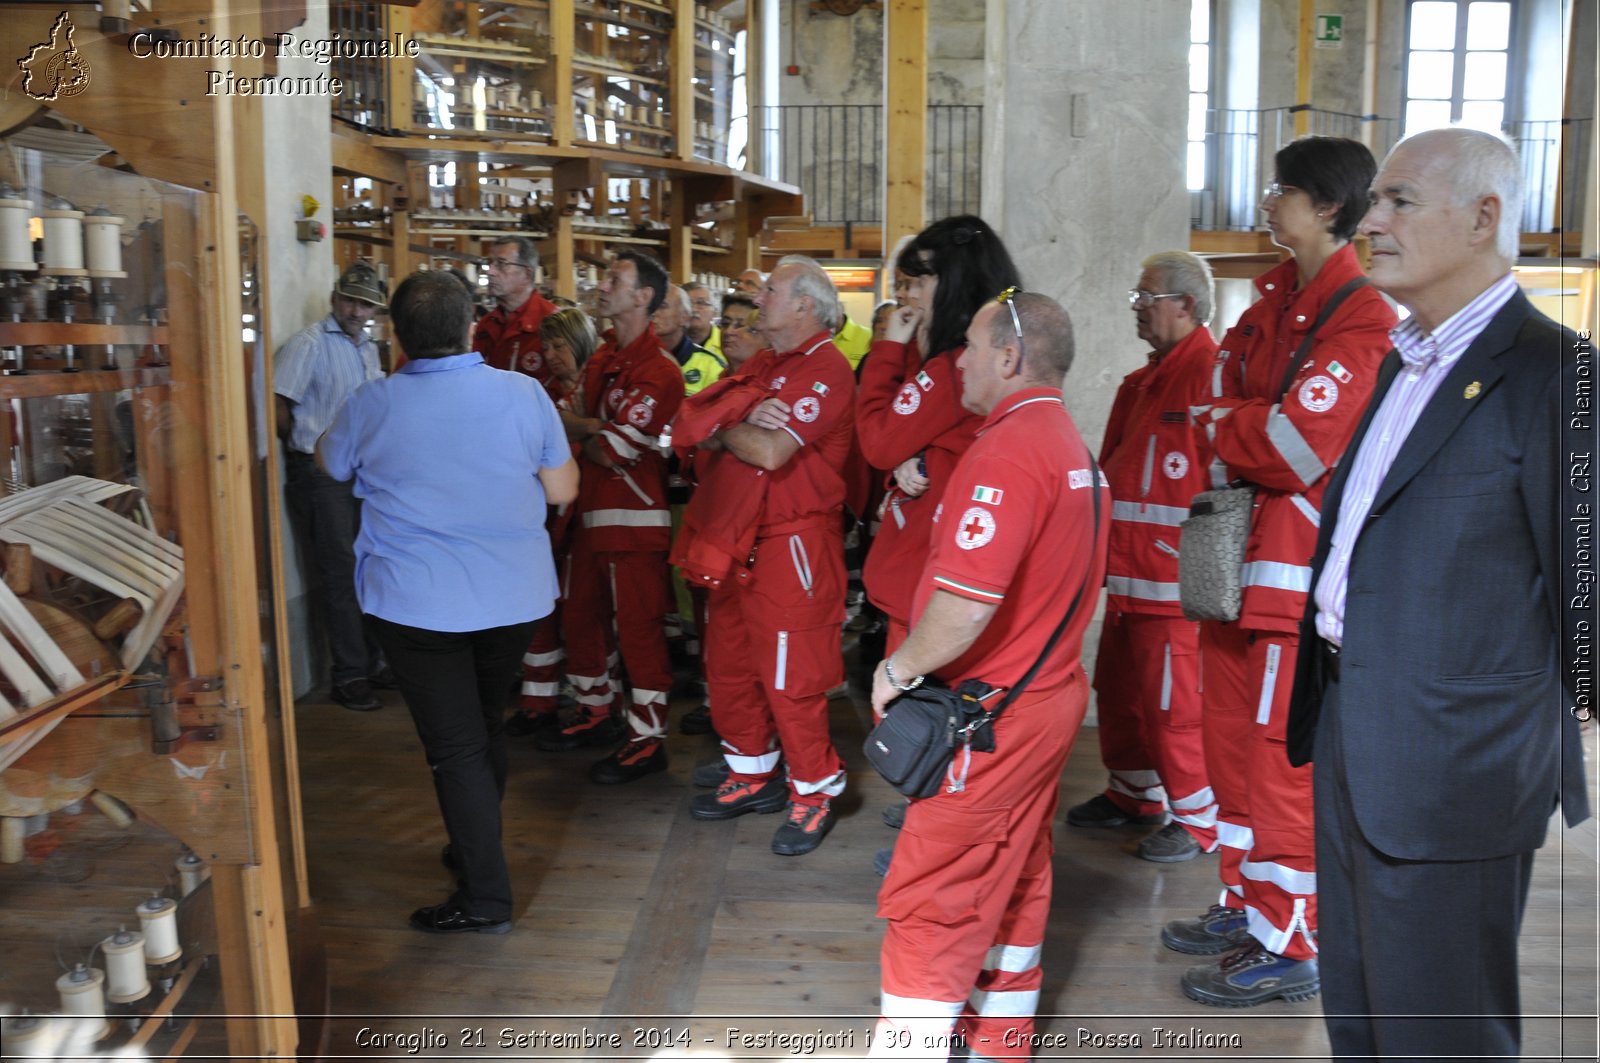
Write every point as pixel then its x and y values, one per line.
pixel 637 922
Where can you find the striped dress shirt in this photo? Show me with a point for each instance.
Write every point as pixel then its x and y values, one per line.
pixel 1427 359
pixel 318 369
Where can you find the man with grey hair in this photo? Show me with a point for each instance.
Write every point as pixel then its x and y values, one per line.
pixel 1015 549
pixel 508 336
pixel 1438 654
pixel 704 306
pixel 772 651
pixel 1147 673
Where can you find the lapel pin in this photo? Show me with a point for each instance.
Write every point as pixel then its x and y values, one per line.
pixel 1472 390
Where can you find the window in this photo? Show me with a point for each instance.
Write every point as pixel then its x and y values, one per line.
pixel 1456 68
pixel 1199 90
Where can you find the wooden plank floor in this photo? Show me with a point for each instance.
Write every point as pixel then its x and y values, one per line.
pixel 639 923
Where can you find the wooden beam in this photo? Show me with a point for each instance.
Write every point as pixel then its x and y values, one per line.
pixel 355 153
pixel 558 96
pixel 1369 73
pixel 1302 66
pixel 681 64
pixel 905 66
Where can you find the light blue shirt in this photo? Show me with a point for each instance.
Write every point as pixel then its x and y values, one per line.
pixel 446 456
pixel 317 370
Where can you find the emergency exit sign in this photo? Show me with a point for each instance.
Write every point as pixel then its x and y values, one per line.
pixel 1330 31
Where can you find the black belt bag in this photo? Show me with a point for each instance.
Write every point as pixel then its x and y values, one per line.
pixel 914 746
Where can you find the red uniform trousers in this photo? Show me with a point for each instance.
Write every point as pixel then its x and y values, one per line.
pixel 968 893
pixel 618 600
pixel 541 667
pixel 1147 677
pixel 1264 813
pixel 772 654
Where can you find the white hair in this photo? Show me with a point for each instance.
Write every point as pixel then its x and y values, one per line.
pixel 1484 164
pixel 1189 274
pixel 813 282
pixel 680 297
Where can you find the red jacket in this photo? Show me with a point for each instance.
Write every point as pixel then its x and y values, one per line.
pixel 636 390
pixel 905 407
pixel 1288 450
pixel 1155 465
pixel 719 524
pixel 510 339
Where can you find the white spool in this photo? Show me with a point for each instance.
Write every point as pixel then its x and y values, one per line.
pixel 82 992
pixel 16 250
pixel 191 872
pixel 102 233
pixel 158 918
pixel 63 240
pixel 33 1036
pixel 126 979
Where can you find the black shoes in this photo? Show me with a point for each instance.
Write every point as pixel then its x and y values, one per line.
pixel 356 695
pixel 734 798
pixel 804 830
pixel 895 815
pixel 637 758
pixel 521 725
pixel 697 721
pixel 1101 811
pixel 584 730
pixel 448 918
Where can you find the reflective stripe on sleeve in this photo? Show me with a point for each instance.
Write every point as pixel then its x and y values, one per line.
pixel 1277 575
pixel 1149 590
pixel 1138 513
pixel 1293 448
pixel 627 518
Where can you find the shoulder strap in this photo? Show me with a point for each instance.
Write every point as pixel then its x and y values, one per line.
pixel 1305 345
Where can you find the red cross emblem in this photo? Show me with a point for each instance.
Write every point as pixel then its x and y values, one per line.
pixel 976 528
pixel 1318 394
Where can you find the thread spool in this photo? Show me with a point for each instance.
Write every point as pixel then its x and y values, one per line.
pixel 102 232
pixel 63 240
pixel 32 1036
pixel 158 918
pixel 191 872
pixel 16 249
pixel 82 992
pixel 126 979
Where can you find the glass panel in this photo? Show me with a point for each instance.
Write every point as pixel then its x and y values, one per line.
pixel 1489 26
pixel 1199 67
pixel 1486 115
pixel 1197 166
pixel 1431 75
pixel 1426 114
pixel 1197 116
pixel 1485 76
pixel 1433 24
pixel 1200 20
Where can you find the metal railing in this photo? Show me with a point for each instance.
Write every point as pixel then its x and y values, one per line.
pixel 834 154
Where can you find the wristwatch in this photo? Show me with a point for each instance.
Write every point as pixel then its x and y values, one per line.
pixel 888 673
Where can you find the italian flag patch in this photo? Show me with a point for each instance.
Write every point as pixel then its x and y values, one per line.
pixel 1339 372
pixel 989 495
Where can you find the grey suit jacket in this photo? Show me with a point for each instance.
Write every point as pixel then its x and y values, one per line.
pixel 1457 659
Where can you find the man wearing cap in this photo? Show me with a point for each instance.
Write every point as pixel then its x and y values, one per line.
pixel 508 335
pixel 315 372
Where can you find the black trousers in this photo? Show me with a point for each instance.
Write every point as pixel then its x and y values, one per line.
pixel 1418 957
pixel 456 684
pixel 328 516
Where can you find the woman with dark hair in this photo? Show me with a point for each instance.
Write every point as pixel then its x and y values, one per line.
pixel 1291 381
pixel 909 418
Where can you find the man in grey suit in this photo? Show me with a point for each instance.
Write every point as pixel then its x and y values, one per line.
pixel 1438 665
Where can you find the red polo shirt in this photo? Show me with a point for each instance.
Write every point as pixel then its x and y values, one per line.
pixel 510 339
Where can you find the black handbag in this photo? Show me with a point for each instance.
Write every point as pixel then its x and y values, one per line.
pixel 914 746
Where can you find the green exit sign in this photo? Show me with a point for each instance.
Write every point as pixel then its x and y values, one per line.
pixel 1330 31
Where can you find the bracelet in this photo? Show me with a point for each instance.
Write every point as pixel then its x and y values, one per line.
pixel 888 673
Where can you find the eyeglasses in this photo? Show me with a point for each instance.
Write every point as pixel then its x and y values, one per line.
pixel 1277 190
pixel 503 264
pixel 1140 299
pixel 1007 299
pixel 727 324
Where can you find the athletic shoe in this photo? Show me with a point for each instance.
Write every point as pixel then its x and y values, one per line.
pixel 735 798
pixel 804 830
pixel 895 815
pixel 521 725
pixel 636 758
pixel 1219 930
pixel 356 695
pixel 710 775
pixel 584 730
pixel 1101 811
pixel 696 721
pixel 1251 975
pixel 1172 844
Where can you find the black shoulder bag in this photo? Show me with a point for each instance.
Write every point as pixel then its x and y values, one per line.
pixel 915 743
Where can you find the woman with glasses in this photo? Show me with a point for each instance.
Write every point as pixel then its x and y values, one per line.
pixel 739 317
pixel 910 422
pixel 1292 379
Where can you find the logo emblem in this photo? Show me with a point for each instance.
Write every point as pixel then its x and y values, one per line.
pixel 975 528
pixel 55 68
pixel 924 381
pixel 807 409
pixel 639 415
pixel 1471 391
pixel 1175 465
pixel 1340 373
pixel 1319 394
pixel 614 399
pixel 988 495
pixel 532 362
pixel 908 399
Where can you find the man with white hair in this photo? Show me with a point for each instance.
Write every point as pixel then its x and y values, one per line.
pixel 1437 651
pixel 772 651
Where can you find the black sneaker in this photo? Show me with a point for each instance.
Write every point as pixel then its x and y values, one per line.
pixel 1251 975
pixel 637 758
pixel 521 725
pixel 584 730
pixel 1101 811
pixel 1172 844
pixel 803 830
pixel 734 798
pixel 710 775
pixel 696 721
pixel 895 815
pixel 356 695
pixel 1218 930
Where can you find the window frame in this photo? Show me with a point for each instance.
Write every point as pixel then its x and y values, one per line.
pixel 1514 64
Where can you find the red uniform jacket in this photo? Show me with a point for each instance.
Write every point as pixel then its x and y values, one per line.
pixel 636 390
pixel 907 407
pixel 1288 449
pixel 510 339
pixel 719 524
pixel 1155 465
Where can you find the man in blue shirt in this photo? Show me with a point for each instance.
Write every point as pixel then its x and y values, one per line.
pixel 455 463
pixel 315 372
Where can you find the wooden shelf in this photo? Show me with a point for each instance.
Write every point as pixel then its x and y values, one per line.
pixel 589 66
pixel 79 333
pixel 512 59
pixel 47 383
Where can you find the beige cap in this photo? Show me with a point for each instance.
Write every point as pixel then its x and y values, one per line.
pixel 361 282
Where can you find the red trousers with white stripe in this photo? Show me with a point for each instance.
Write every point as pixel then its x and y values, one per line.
pixel 542 667
pixel 1147 678
pixel 968 892
pixel 625 593
pixel 772 653
pixel 1264 814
